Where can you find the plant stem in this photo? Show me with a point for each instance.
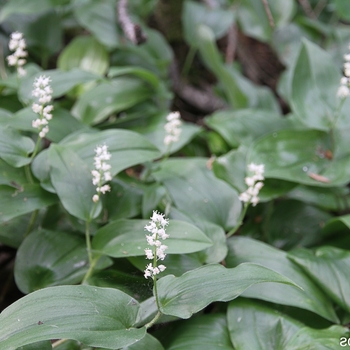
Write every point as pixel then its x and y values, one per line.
pixel 240 220
pixel 90 270
pixel 88 240
pixel 188 61
pixel 58 343
pixel 155 319
pixel 31 222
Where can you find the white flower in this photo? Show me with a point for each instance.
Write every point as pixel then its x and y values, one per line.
pixel 156 228
pixel 344 88
pixel 254 184
pixel 18 45
pixel 172 128
pixel 101 173
pixel 42 91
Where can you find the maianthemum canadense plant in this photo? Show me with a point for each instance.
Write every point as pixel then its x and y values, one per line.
pixel 134 228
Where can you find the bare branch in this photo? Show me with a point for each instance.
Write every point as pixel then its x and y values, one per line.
pixel 269 14
pixel 307 8
pixel 131 30
pixel 231 44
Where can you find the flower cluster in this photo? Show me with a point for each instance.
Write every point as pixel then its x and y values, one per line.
pixel 43 92
pixel 156 228
pixel 172 128
pixel 18 45
pixel 101 172
pixel 254 184
pixel 344 88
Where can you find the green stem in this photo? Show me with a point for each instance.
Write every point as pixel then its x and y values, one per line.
pixel 90 270
pixel 88 241
pixel 28 174
pixel 188 61
pixel 31 222
pixel 58 343
pixel 155 319
pixel 240 221
pixel 35 148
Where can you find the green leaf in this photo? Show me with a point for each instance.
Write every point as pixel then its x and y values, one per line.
pixel 43 345
pixel 181 297
pixel 123 238
pixel 254 21
pixel 342 8
pixel 50 40
pixel 255 326
pixel 328 267
pixel 259 327
pixel 311 298
pixel 205 332
pixel 11 176
pixel 22 200
pixel 12 232
pixel 244 126
pixel 296 224
pixel 72 181
pixel 147 342
pixel 319 339
pixel 301 156
pixel 217 19
pixel 49 258
pixel 127 148
pixel 85 53
pixel 211 57
pixel 194 189
pixel 15 148
pixel 61 82
pixel 25 7
pixel 314 102
pixel 96 104
pixel 98 317
pixel 99 18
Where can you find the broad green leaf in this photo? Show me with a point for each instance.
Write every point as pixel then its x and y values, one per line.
pixel 236 159
pixel 15 148
pixel 211 56
pixel 85 53
pixel 217 19
pixel 296 224
pixel 342 8
pixel 142 73
pixel 301 156
pixel 246 125
pixel 314 102
pixel 181 297
pixel 72 181
pixel 41 170
pixel 61 125
pixel 49 258
pixel 11 176
pixel 99 18
pixel 123 238
pixel 125 199
pixel 98 317
pixel 48 41
pixel 255 326
pixel 12 232
pixel 147 342
pixel 254 21
pixel 22 200
pixel 61 82
pixel 328 267
pixel 332 198
pixel 43 345
pixel 311 298
pixel 259 327
pixel 194 189
pixel 205 332
pixel 218 251
pixel 25 7
pixel 126 147
pixel 319 339
pixel 108 98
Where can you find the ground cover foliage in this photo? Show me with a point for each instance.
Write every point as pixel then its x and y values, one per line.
pixel 255 82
